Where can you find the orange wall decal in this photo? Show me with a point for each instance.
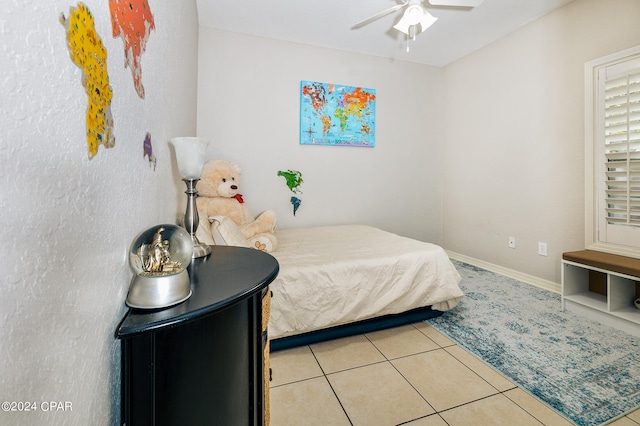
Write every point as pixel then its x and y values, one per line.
pixel 132 19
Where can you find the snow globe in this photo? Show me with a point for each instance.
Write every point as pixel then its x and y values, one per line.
pixel 159 257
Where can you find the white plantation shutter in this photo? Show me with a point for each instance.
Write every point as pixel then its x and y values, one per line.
pixel 622 149
pixel 619 139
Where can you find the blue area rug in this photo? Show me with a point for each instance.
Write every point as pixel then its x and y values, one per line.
pixel 586 371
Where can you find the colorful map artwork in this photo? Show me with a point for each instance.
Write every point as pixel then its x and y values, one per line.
pixel 89 54
pixel 331 114
pixel 132 19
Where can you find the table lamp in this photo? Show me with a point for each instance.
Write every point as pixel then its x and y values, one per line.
pixel 190 154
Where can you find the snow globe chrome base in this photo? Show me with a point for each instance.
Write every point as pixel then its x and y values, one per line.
pixel 160 292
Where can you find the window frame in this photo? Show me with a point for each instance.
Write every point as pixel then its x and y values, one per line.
pixel 592 148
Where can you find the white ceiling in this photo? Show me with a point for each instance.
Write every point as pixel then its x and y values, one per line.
pixel 327 23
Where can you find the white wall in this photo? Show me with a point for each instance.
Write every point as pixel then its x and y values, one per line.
pixel 516 166
pixel 249 106
pixel 67 221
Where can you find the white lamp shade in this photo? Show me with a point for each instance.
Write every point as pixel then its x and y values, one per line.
pixel 415 15
pixel 190 153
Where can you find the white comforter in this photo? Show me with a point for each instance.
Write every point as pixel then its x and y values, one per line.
pixel 340 274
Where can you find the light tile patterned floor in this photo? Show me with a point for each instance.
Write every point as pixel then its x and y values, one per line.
pixel 410 375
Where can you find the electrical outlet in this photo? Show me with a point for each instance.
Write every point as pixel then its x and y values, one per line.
pixel 512 242
pixel 542 249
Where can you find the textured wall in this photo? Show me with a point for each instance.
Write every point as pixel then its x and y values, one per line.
pixel 67 221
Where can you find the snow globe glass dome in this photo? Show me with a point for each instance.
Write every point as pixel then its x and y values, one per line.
pixel 159 257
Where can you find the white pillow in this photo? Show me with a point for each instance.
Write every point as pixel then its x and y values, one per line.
pixel 226 233
pixel 204 233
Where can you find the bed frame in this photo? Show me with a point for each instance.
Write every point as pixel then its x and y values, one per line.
pixel 359 327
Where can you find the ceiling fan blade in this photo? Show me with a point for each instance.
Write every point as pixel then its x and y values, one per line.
pixel 456 3
pixel 379 15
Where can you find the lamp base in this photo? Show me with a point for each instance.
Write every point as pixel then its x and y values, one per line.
pixel 199 249
pixel 191 219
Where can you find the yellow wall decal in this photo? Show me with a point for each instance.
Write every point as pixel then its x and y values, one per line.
pixel 89 54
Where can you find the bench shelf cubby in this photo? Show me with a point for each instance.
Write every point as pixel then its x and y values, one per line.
pixel 602 286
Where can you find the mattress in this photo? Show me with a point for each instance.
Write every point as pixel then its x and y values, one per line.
pixel 335 275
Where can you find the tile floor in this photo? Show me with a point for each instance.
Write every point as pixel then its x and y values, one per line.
pixel 410 375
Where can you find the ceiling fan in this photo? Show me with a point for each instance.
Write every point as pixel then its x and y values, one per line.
pixel 416 18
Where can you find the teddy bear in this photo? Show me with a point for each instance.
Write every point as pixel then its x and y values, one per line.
pixel 218 195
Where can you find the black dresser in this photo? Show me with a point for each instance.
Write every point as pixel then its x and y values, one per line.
pixel 202 362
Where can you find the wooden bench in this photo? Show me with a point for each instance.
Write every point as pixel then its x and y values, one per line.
pixel 602 286
pixel 609 262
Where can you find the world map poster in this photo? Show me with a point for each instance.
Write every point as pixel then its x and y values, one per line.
pixel 332 114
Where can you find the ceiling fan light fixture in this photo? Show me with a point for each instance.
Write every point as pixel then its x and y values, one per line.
pixel 414 15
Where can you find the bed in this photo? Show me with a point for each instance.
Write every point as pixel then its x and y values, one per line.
pixel 335 281
pixel 340 280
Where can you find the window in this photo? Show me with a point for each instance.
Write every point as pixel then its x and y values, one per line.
pixel 612 134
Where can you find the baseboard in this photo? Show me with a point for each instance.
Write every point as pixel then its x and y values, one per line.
pixel 525 278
